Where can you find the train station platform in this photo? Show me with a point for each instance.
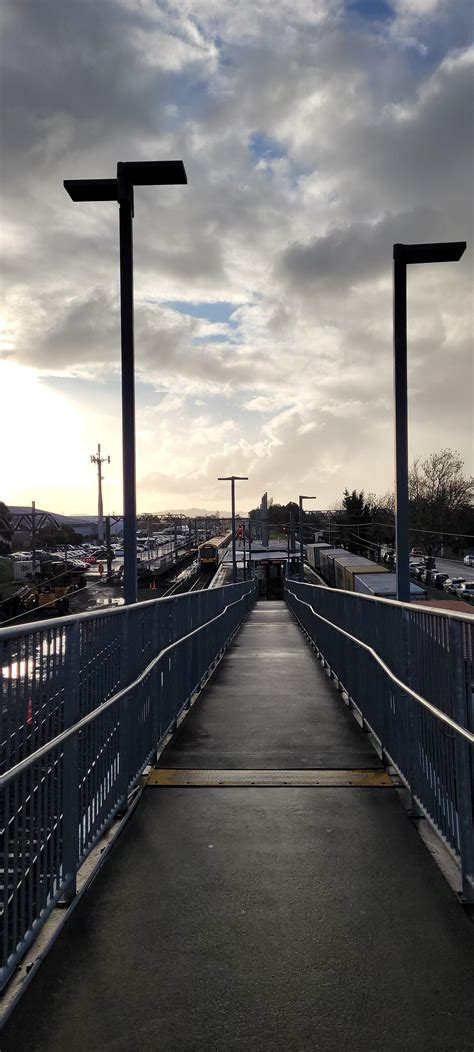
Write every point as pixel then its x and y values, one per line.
pixel 269 891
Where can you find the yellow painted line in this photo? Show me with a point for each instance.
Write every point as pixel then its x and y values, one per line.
pixel 166 777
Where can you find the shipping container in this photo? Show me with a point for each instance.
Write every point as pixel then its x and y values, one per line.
pixel 348 559
pixel 385 586
pixel 313 552
pixel 23 570
pixel 363 566
pixel 327 562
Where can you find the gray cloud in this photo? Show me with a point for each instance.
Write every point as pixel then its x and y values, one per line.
pixel 312 143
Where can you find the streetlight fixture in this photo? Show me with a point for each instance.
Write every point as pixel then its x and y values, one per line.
pixel 233 479
pixel 301 499
pixel 444 252
pixel 129 174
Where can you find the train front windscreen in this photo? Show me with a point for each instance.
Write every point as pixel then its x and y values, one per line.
pixel 208 554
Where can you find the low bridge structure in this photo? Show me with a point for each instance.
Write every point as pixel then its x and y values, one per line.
pixel 268 889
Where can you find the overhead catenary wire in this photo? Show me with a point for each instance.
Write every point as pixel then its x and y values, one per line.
pixel 391 526
pixel 23 613
pixel 33 586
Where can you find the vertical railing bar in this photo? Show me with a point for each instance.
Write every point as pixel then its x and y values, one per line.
pixel 462 760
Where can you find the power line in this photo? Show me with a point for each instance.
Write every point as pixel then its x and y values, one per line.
pixel 391 526
pixel 35 608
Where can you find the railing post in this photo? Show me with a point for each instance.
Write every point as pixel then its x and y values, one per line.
pixel 156 678
pixel 126 673
pixel 462 763
pixel 410 739
pixel 70 763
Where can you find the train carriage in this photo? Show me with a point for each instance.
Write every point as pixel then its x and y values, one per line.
pixel 211 553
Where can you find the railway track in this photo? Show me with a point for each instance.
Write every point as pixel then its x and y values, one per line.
pixel 202 581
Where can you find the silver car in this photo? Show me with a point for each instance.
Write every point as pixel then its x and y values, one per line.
pixel 466 591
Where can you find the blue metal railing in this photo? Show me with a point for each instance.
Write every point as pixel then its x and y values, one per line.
pixel 85 702
pixel 409 672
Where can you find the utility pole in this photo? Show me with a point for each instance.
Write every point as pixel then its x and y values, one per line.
pixel 292 547
pixel 108 546
pixel 97 459
pixel 33 535
pixel 233 479
pixel 264 520
pixel 301 498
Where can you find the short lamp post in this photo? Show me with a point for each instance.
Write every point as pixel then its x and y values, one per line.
pixel 233 479
pixel 301 499
pixel 129 175
pixel 446 252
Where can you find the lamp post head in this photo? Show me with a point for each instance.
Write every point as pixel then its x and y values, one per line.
pixel 439 252
pixel 234 478
pixel 91 189
pixel 133 173
pixel 153 173
pixel 305 497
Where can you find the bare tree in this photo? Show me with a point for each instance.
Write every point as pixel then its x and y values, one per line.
pixel 441 497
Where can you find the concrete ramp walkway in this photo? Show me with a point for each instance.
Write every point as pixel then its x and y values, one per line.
pixel 237 912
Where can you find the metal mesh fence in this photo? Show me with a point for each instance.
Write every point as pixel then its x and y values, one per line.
pixel 430 654
pixel 100 674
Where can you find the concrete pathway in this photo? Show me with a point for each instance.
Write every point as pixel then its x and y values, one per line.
pixel 261 917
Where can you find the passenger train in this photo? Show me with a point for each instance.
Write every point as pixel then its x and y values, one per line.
pixel 211 553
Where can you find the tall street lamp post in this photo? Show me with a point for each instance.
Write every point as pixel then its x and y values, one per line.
pixel 301 499
pixel 129 174
pixel 446 252
pixel 233 479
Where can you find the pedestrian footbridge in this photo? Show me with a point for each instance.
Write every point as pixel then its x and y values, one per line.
pixel 269 887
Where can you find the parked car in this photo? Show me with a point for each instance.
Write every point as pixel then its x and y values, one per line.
pixel 439 579
pixel 468 560
pixel 452 584
pixel 466 591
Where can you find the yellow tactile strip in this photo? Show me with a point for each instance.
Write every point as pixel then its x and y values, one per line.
pixel 166 777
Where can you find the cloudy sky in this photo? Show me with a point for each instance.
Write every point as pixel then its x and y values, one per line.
pixel 315 133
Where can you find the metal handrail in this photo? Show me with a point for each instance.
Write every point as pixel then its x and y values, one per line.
pixel 421 607
pixel 468 735
pixel 69 732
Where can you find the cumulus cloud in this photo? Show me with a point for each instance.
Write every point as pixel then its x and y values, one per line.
pixel 314 138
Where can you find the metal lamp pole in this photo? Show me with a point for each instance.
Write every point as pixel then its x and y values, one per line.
pixel 233 479
pixel 301 499
pixel 129 174
pixel 446 252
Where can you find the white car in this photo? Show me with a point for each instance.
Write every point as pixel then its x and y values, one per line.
pixel 466 591
pixel 452 584
pixel 469 560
